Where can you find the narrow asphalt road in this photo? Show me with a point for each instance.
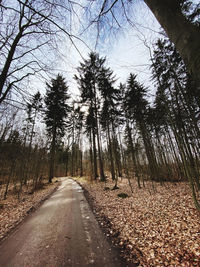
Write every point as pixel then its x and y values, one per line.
pixel 62 232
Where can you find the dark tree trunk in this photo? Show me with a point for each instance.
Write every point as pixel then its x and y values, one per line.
pixel 102 176
pixel 52 156
pixel 91 156
pixel 81 163
pixel 180 31
pixel 135 167
pixel 94 154
pixel 117 155
pixel 6 67
pixel 66 163
pixel 72 161
pixel 111 154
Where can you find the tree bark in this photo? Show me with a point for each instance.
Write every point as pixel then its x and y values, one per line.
pixel 52 156
pixel 102 175
pixel 116 153
pixel 94 154
pixel 184 34
pixel 111 154
pixel 67 162
pixel 6 67
pixel 135 167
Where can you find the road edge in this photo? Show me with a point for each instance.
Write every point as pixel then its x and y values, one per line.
pixel 28 213
pixel 111 234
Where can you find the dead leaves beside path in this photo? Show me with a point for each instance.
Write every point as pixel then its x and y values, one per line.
pixel 13 211
pixel 161 226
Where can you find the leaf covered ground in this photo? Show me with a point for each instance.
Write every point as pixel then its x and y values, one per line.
pixel 13 211
pixel 157 226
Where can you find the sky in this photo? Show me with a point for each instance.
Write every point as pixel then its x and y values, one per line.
pixel 125 51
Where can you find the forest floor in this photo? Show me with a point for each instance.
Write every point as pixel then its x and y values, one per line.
pixel 155 225
pixel 13 211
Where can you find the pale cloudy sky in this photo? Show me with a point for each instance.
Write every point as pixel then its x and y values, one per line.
pixel 125 52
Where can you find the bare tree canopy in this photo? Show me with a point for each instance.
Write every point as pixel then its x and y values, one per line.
pixel 29 35
pixel 31 31
pixel 169 13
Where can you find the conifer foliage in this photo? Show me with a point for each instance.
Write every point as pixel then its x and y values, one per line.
pixel 56 112
pixel 88 79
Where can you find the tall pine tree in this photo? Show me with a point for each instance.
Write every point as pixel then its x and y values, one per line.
pixel 56 115
pixel 88 80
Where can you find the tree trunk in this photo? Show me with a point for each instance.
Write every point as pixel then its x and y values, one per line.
pixel 135 167
pixel 180 31
pixel 122 153
pixel 52 157
pixel 9 178
pixel 111 154
pixel 81 163
pixel 116 152
pixel 91 156
pixel 94 154
pixel 150 152
pixel 72 161
pixel 102 176
pixel 66 163
pixel 6 67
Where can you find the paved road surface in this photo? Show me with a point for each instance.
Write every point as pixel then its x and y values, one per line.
pixel 62 232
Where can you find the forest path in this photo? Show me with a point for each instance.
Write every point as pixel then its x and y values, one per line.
pixel 62 232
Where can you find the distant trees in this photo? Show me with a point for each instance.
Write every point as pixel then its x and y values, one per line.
pixel 33 109
pixel 56 112
pixel 20 164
